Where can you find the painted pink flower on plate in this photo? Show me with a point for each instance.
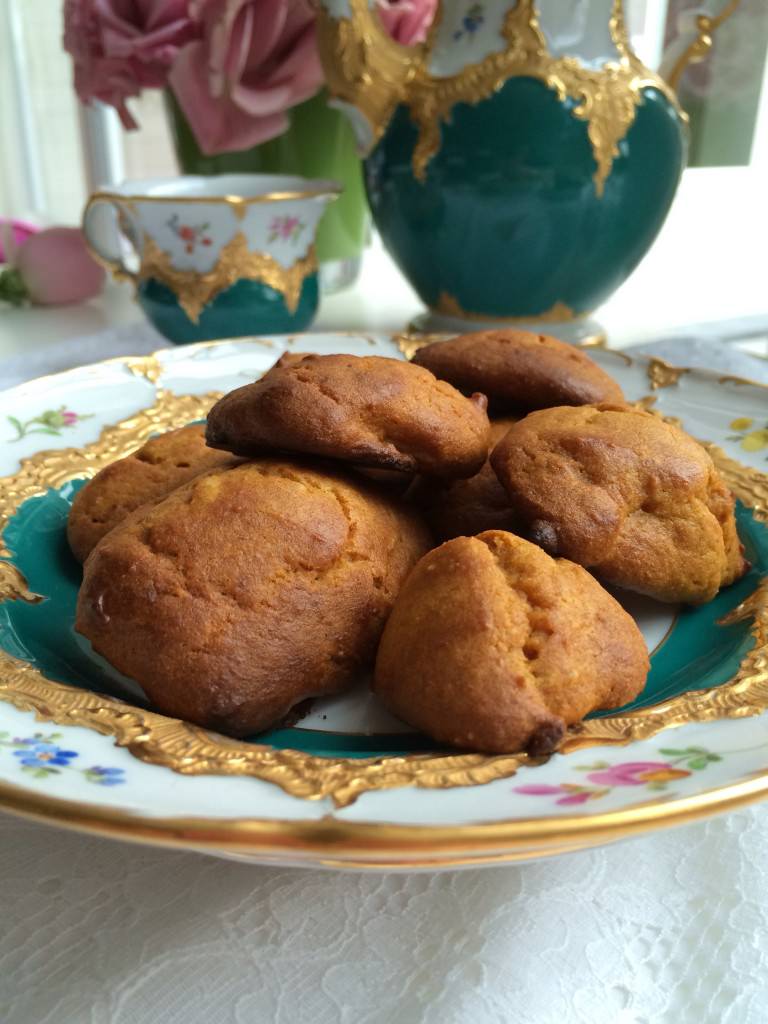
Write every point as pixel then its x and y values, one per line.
pixel 636 773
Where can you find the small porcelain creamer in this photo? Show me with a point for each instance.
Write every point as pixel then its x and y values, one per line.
pixel 522 160
pixel 214 257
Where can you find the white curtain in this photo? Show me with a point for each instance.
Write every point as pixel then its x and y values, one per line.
pixel 49 154
pixel 41 166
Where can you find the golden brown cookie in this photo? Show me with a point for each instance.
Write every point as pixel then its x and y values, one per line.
pixel 463 508
pixel 492 645
pixel 625 494
pixel 248 590
pixel 519 370
pixel 366 410
pixel 147 475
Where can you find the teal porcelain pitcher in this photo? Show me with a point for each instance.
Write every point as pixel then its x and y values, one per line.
pixel 522 160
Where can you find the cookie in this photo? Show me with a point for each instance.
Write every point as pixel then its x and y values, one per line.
pixel 494 646
pixel 147 475
pixel 519 370
pixel 248 590
pixel 366 410
pixel 463 508
pixel 632 498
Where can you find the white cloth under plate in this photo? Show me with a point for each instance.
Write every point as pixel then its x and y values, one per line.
pixel 664 929
pixel 670 927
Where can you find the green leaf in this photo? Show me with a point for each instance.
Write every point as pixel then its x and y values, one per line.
pixel 669 752
pixel 591 767
pixel 39 772
pixel 697 763
pixel 12 287
pixel 656 786
pixel 43 430
pixel 52 418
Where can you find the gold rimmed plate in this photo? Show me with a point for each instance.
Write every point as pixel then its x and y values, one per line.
pixel 349 785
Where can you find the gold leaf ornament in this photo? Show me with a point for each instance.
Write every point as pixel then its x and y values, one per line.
pixel 367 70
pixel 235 262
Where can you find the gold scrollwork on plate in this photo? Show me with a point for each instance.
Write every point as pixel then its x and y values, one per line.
pixel 662 374
pixel 148 367
pixel 235 262
pixel 368 70
pixel 193 751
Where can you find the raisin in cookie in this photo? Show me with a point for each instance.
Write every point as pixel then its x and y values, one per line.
pixel 632 498
pixel 492 645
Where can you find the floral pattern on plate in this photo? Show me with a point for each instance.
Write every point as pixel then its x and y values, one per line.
pixel 750 438
pixel 41 756
pixel 627 783
pixel 51 421
pixel 605 777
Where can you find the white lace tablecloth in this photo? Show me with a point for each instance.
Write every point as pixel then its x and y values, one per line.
pixel 669 927
pixel 665 928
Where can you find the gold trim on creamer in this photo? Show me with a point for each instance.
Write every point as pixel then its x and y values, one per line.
pixel 191 750
pixel 366 69
pixel 235 262
pixel 231 199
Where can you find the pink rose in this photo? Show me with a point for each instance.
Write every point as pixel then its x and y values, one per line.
pixel 52 268
pixel 255 60
pixel 121 46
pixel 12 234
pixel 407 21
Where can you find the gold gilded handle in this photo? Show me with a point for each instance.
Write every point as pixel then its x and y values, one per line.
pixel 697 28
pixel 367 73
pixel 113 259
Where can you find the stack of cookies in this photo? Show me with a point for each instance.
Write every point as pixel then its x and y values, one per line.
pixel 238 569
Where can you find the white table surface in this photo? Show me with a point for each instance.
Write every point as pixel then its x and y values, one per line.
pixel 668 927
